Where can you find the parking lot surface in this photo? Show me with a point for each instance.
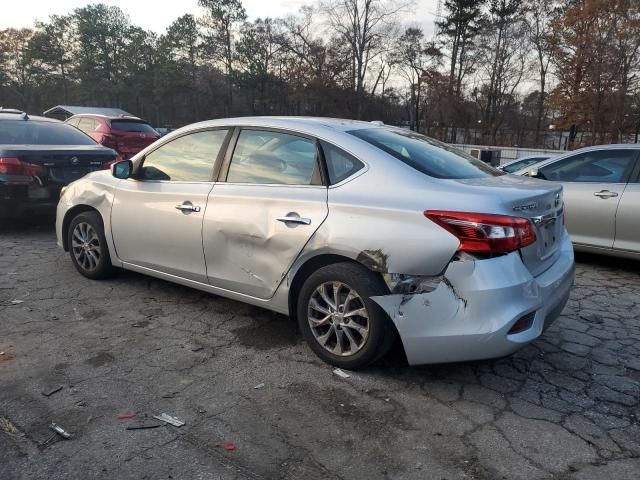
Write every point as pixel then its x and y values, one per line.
pixel 258 404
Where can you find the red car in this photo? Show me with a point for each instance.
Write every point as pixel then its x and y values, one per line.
pixel 126 135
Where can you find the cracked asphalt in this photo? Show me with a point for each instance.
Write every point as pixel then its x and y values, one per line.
pixel 565 407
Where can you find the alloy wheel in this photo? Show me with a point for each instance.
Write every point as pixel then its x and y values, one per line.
pixel 338 318
pixel 85 244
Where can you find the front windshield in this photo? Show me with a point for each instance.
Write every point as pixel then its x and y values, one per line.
pixel 515 166
pixel 429 156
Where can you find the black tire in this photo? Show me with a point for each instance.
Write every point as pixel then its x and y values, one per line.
pixel 88 265
pixel 366 284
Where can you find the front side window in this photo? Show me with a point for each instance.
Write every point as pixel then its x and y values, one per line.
pixel 265 157
pixel 189 158
pixel 425 154
pixel 600 166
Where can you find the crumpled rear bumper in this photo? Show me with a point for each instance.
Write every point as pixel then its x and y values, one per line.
pixel 470 312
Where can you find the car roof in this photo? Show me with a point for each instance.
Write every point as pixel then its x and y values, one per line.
pixel 293 123
pixel 30 118
pixel 108 117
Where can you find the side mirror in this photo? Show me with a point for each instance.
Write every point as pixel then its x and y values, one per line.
pixel 122 169
pixel 533 173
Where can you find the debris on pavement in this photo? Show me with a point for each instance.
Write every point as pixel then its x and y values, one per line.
pixel 16 302
pixel 169 419
pixel 341 373
pixel 229 447
pixel 144 426
pixel 51 391
pixel 259 386
pixel 125 416
pixel 60 431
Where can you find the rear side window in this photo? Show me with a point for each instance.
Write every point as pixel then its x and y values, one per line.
pixel 87 125
pixel 33 132
pixel 265 157
pixel 425 154
pixel 132 126
pixel 601 166
pixel 340 164
pixel 189 158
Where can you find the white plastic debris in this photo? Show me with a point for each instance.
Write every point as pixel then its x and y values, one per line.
pixel 169 419
pixel 60 431
pixel 16 302
pixel 341 373
pixel 259 386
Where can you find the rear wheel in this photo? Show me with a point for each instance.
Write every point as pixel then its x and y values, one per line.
pixel 338 319
pixel 88 246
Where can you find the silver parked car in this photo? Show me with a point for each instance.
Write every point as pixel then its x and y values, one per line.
pixel 602 194
pixel 359 231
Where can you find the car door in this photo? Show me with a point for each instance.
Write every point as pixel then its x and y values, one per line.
pixel 627 224
pixel 593 184
pixel 269 204
pixel 156 217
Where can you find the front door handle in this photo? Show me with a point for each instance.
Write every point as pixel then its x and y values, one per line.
pixel 188 207
pixel 605 194
pixel 294 219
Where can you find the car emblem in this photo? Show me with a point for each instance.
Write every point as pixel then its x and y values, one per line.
pixel 528 206
pixel 75 160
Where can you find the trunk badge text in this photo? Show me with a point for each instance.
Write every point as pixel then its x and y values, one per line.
pixel 529 206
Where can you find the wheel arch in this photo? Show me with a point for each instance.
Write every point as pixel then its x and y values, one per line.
pixel 311 265
pixel 69 216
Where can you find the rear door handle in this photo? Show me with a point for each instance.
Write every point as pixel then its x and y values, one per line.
pixel 605 194
pixel 188 207
pixel 296 219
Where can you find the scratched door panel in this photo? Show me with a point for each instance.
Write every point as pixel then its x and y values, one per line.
pixel 247 249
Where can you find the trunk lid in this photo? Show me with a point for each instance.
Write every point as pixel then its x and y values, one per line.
pixel 58 165
pixel 538 200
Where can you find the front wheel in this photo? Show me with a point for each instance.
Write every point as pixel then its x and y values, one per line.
pixel 88 246
pixel 338 319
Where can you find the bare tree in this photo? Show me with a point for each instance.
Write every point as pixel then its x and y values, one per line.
pixel 220 20
pixel 538 24
pixel 415 59
pixel 361 24
pixel 503 54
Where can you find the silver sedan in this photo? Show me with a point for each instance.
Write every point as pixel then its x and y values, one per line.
pixel 359 231
pixel 602 194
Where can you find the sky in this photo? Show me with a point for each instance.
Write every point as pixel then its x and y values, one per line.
pixel 156 15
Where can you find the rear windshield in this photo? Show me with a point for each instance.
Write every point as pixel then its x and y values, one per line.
pixel 129 126
pixel 425 154
pixel 32 132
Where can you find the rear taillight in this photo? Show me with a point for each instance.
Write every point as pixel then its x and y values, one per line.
pixel 109 141
pixel 15 166
pixel 106 165
pixel 11 166
pixel 485 232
